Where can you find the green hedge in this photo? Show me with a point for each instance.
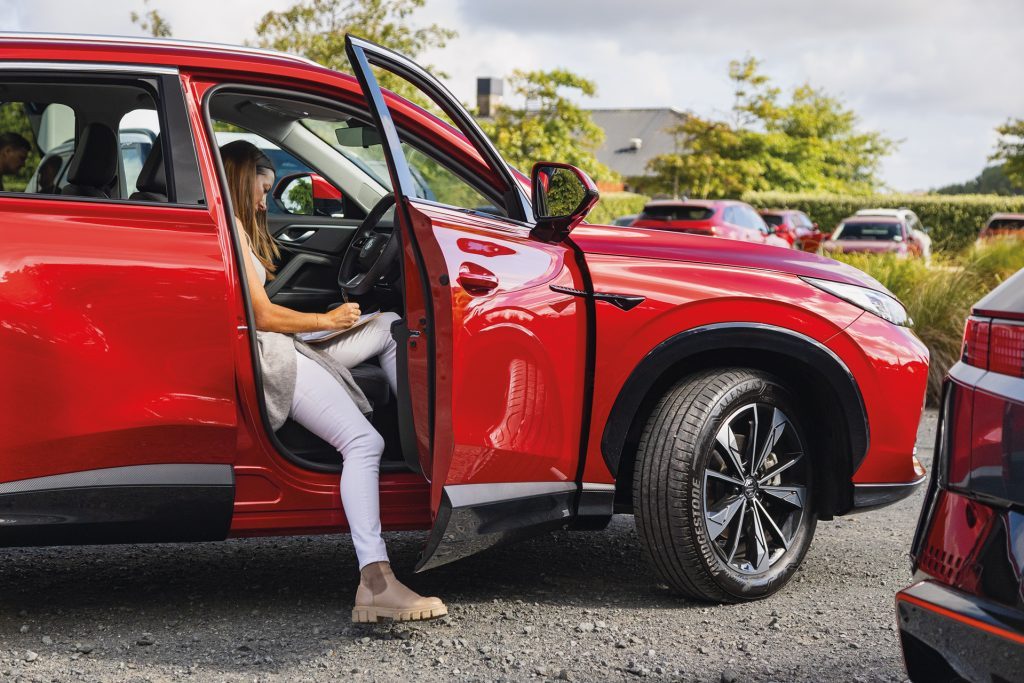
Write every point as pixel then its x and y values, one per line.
pixel 954 219
pixel 615 204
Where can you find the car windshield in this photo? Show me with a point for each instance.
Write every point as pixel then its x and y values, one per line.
pixel 772 219
pixel 886 232
pixel 1006 224
pixel 681 212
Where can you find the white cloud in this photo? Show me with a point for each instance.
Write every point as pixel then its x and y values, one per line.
pixel 937 74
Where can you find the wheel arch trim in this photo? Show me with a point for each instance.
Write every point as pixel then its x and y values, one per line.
pixel 738 336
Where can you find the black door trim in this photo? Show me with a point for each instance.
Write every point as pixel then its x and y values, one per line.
pixel 133 504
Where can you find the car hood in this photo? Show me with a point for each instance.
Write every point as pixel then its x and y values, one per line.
pixel 668 245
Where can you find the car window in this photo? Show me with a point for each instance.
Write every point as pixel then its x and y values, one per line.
pixel 772 219
pixel 676 212
pixel 285 163
pixel 1006 224
pixel 89 136
pixel 753 219
pixel 23 152
pixel 433 179
pixel 887 232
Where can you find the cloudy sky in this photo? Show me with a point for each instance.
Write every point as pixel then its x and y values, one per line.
pixel 938 75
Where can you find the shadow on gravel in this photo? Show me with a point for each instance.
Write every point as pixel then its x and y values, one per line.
pixel 213 602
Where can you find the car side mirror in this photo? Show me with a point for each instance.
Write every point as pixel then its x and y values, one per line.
pixel 563 195
pixel 309 194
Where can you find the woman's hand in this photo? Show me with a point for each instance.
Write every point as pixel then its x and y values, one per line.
pixel 342 317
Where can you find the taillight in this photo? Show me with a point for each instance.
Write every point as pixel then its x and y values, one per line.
pixel 994 345
pixel 975 348
pixel 1006 349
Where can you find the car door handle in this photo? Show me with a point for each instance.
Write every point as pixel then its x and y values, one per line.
pixel 477 280
pixel 296 239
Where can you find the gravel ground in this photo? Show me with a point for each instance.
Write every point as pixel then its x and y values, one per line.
pixel 569 606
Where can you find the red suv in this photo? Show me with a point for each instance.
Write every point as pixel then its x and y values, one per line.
pixel 799 231
pixel 712 217
pixel 551 373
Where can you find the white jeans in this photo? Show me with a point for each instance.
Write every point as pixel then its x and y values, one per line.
pixel 322 406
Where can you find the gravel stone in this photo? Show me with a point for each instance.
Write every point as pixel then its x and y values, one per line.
pixel 277 610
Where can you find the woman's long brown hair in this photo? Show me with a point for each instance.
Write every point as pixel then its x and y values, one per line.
pixel 242 161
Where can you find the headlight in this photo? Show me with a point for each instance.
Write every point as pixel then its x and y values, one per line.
pixel 871 300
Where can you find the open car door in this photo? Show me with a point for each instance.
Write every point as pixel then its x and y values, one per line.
pixel 496 355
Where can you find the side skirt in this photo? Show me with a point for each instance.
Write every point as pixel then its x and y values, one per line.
pixel 473 517
pixel 134 504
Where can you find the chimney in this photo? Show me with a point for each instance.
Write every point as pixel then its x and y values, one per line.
pixel 488 96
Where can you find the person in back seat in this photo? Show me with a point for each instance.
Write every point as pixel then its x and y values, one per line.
pixel 14 150
pixel 314 387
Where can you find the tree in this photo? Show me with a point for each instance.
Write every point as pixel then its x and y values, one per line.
pixel 811 143
pixel 1010 149
pixel 549 126
pixel 152 22
pixel 992 180
pixel 316 29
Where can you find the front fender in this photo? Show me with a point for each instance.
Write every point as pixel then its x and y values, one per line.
pixel 740 338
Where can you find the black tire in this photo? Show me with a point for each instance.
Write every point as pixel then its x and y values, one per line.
pixel 682 474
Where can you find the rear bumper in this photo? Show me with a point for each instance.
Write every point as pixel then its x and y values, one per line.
pixel 947 634
pixel 871 496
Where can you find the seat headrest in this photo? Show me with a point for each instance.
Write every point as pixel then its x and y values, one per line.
pixel 152 178
pixel 94 163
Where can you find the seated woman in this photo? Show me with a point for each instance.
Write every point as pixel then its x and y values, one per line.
pixel 314 388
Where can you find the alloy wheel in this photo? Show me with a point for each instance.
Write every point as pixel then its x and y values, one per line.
pixel 755 488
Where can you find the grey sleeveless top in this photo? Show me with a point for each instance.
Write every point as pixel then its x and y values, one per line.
pixel 277 365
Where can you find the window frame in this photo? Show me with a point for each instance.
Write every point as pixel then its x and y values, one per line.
pixel 163 84
pixel 409 136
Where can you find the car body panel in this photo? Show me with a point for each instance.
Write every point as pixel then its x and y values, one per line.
pixel 142 270
pixel 968 550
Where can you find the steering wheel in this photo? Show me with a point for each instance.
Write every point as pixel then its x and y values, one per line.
pixel 370 252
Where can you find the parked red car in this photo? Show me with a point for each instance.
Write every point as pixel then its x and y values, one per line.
pixel 712 217
pixel 795 227
pixel 551 373
pixel 1003 225
pixel 873 235
pixel 963 617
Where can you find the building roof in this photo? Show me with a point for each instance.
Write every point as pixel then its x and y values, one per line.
pixel 623 126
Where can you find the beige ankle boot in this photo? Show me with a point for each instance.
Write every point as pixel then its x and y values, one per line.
pixel 381 595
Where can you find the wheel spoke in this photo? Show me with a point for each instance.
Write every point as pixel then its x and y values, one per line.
pixel 773 525
pixel 718 519
pixel 779 423
pixel 724 477
pixel 727 440
pixel 794 495
pixel 739 533
pixel 761 555
pixel 779 470
pixel 751 445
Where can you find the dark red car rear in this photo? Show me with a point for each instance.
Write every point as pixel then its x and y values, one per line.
pixel 1003 225
pixel 711 217
pixel 963 617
